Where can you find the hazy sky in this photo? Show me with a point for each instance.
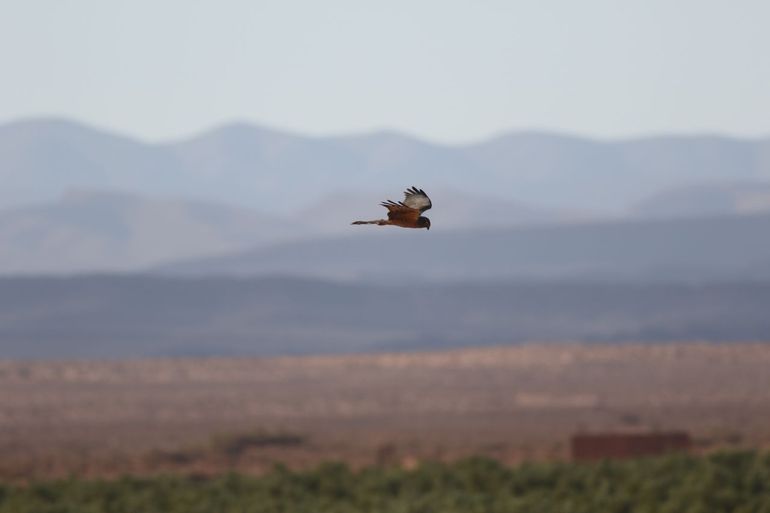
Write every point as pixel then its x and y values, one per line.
pixel 446 70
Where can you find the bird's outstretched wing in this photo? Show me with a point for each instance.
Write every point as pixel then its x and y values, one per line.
pixel 417 199
pixel 401 212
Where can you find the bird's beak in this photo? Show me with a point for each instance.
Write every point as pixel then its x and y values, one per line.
pixel 428 227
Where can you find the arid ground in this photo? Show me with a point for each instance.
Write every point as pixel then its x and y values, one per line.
pixel 512 403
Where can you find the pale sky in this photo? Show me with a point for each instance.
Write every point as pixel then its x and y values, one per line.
pixel 448 71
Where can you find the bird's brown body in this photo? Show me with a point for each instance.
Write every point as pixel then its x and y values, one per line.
pixel 407 213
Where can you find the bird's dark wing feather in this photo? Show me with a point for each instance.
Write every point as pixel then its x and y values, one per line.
pixel 417 199
pixel 399 211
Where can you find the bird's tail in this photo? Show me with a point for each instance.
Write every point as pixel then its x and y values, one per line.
pixel 380 222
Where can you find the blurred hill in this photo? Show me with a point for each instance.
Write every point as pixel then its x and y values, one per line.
pixel 703 250
pixel 107 231
pixel 531 205
pixel 96 231
pixel 277 172
pixel 139 316
pixel 707 200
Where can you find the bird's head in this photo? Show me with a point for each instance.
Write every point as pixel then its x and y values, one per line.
pixel 423 222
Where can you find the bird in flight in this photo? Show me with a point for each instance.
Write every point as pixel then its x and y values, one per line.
pixel 407 213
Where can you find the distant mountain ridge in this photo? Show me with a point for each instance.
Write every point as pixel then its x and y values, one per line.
pixel 707 199
pixel 89 231
pixel 678 250
pixel 476 238
pixel 145 316
pixel 241 189
pixel 278 172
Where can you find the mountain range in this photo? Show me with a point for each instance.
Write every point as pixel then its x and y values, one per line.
pixel 88 231
pixel 279 173
pixel 243 199
pixel 705 249
pixel 96 231
pixel 238 241
pixel 144 316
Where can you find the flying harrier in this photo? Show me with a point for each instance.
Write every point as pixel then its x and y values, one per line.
pixel 405 214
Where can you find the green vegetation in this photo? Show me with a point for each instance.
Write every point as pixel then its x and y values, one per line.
pixel 725 482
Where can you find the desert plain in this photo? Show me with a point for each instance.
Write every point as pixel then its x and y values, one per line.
pixel 514 403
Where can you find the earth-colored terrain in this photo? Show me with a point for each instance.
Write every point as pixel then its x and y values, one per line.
pixel 512 403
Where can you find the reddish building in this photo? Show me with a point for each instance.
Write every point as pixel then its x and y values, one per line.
pixel 599 446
